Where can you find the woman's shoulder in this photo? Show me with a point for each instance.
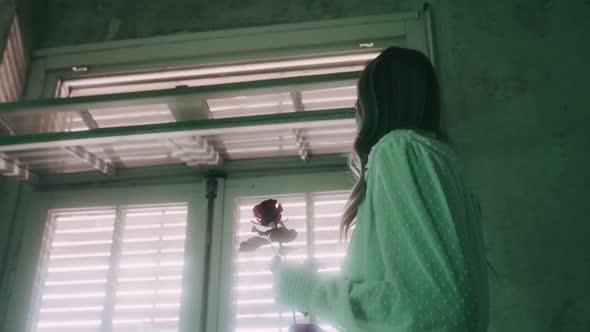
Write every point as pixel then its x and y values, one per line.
pixel 402 142
pixel 397 141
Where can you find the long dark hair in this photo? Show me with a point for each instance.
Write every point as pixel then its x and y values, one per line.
pixel 397 90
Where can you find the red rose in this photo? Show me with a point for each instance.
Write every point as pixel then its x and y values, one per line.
pixel 267 212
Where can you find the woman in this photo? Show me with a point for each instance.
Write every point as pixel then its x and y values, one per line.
pixel 415 261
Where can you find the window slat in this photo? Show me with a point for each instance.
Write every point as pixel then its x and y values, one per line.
pixel 255 309
pixel 147 282
pixel 12 66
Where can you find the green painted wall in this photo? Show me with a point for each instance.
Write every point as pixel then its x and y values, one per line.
pixel 7 11
pixel 515 78
pixel 32 16
pixel 8 196
pixel 9 189
pixel 84 21
pixel 13 200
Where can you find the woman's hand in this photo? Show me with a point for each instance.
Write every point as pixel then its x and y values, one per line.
pixel 274 263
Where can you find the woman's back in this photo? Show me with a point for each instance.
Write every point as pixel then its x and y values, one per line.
pixel 419 229
pixel 416 260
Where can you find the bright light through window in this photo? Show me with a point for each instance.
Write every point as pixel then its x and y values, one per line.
pixel 118 267
pixel 316 218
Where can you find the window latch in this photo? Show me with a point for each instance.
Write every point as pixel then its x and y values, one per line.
pixel 366 45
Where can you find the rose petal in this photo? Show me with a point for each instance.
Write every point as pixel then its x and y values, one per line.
pixel 267 212
pixel 261 233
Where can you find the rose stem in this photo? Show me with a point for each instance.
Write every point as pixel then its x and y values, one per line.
pixel 280 247
pixel 271 246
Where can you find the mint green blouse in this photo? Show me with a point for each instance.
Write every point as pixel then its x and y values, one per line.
pixel 416 257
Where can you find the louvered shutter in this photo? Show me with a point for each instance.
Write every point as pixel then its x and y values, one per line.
pixel 13 69
pixel 255 308
pixel 327 249
pixel 149 273
pixel 315 216
pixel 112 270
pixel 13 65
pixel 75 270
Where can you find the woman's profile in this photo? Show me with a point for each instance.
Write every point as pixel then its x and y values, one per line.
pixel 416 257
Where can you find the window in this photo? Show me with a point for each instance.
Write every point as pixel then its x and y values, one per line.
pixel 13 68
pixel 12 65
pixel 224 105
pixel 115 268
pixel 316 218
pixel 214 75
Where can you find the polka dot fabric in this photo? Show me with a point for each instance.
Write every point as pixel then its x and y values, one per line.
pixel 415 261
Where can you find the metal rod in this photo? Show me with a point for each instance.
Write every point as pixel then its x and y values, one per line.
pixel 88 120
pixel 7 126
pixel 310 226
pixel 110 291
pixel 212 185
pixel 214 157
pixel 299 140
pixel 210 157
pixel 91 159
pixel 10 169
pixel 301 145
pixel 180 153
pixel 297 101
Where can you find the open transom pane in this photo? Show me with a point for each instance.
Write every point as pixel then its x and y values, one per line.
pixel 216 74
pixel 207 147
pixel 291 99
